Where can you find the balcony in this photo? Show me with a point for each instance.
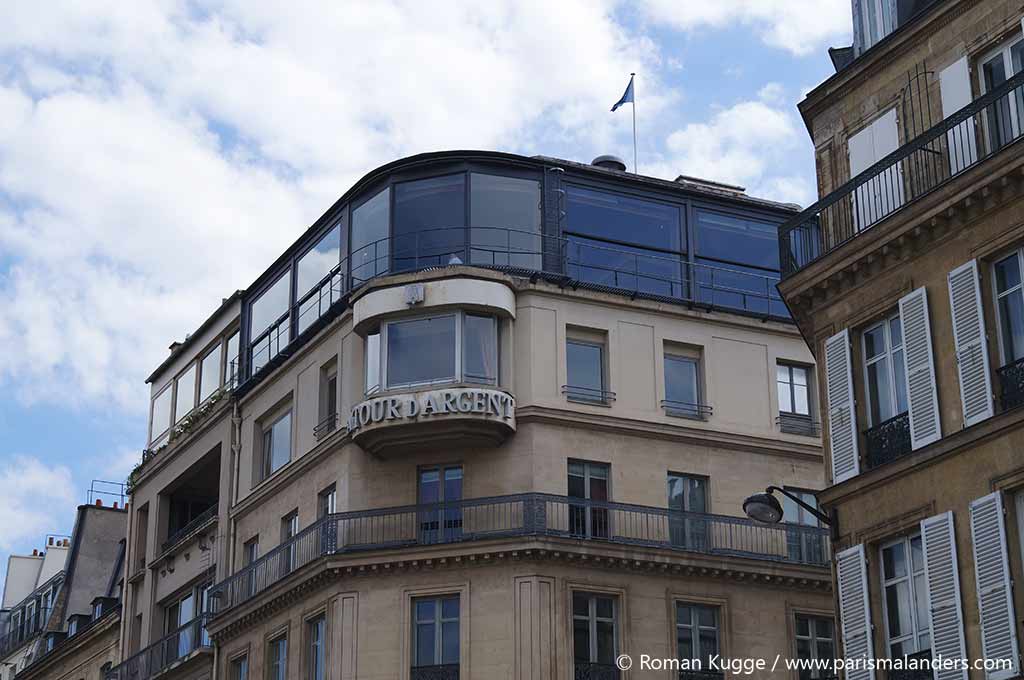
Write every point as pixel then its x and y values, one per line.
pixel 583 670
pixel 684 409
pixel 523 515
pixel 1011 384
pixel 179 536
pixel 28 629
pixel 794 423
pixel 175 648
pixel 888 440
pixel 928 162
pixel 441 672
pixel 588 395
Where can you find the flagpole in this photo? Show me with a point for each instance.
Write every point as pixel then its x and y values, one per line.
pixel 632 77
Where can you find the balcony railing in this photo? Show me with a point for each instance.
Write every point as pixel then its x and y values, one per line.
pixel 182 533
pixel 793 423
pixel 24 630
pixel 162 654
pixel 325 426
pixel 582 670
pixel 924 673
pixel 888 440
pixel 588 395
pixel 448 671
pixel 974 133
pixel 530 514
pixel 1011 384
pixel 685 409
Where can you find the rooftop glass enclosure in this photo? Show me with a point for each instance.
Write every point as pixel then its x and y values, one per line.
pixel 579 226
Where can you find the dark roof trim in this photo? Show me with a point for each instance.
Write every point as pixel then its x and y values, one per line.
pixel 187 343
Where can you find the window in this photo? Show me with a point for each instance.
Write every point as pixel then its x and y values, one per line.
pixel 373 362
pixel 277 659
pixel 277 445
pixel 440 485
pixel 160 416
pixel 801 544
pixel 884 370
pixel 270 311
pixel 289 527
pixel 905 601
pixel 689 494
pixel 315 290
pixel 231 366
pixel 815 640
pixel 316 668
pixel 588 481
pixel 876 19
pixel 185 393
pixel 239 668
pixel 682 388
pixel 594 630
pixel 506 221
pixel 209 377
pixel 326 502
pixel 435 631
pixel 370 245
pixel 328 419
pixel 177 615
pixel 429 222
pixel 250 553
pixel 1002 121
pixel 408 364
pixel 480 349
pixel 72 624
pixel 624 242
pixel 793 386
pixel 585 371
pixel 1010 308
pixel 697 632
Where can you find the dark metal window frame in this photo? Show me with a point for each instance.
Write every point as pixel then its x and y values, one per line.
pixel 437 622
pixel 577 393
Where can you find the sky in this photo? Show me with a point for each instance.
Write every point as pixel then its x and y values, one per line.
pixel 156 156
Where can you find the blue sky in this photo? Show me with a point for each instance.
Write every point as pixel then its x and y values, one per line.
pixel 155 157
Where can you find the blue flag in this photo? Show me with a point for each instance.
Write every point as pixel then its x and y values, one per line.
pixel 627 96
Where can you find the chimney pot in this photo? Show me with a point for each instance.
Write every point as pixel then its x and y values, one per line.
pixel 35 553
pixel 99 502
pixel 115 505
pixel 51 540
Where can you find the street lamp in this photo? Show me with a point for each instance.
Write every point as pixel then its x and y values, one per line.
pixel 764 507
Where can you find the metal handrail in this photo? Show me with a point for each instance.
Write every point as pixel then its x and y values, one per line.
pixel 160 655
pixel 588 394
pixel 687 409
pixel 974 133
pixel 325 426
pixel 517 515
pixel 182 533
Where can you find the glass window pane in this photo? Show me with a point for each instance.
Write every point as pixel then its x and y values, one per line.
pixel 584 366
pixel 450 642
pixel 782 373
pixel 1007 273
pixel 800 404
pixel 231 365
pixel 421 350
pixel 372 362
pixel 605 215
pixel 480 354
pixel 450 608
pixel 506 221
pixel 803 626
pixel 625 266
pixel 785 398
pixel 605 607
pixel 318 262
pixel 874 342
pixel 897 603
pixel 799 375
pixel 899 382
pixel 1011 326
pixel 684 642
pixel 430 216
pixel 706 616
pixel 921 604
pixel 894 561
pixel 681 380
pixel 697 495
pixel 708 643
pixel 737 239
pixel 424 644
pixel 916 554
pixel 581 640
pixel 370 224
pixel 209 380
pixel 598 489
pixel 880 391
pixel 269 307
pixel 281 442
pixel 425 610
pixel 895 332
pixel 580 604
pixel 185 399
pixel 605 642
pixel 161 414
pixel 430 486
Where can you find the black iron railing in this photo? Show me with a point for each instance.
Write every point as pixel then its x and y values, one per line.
pixel 184 532
pixel 972 134
pixel 793 423
pixel 24 628
pixel 685 409
pixel 1011 384
pixel 701 675
pixel 530 514
pixel 888 440
pixel 583 670
pixel 325 426
pixel 164 653
pixel 588 395
pixel 448 671
pixel 923 671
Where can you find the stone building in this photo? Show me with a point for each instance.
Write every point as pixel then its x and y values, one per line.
pixel 489 416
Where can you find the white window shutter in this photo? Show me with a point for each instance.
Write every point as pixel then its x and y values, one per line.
pixel 943 586
pixel 842 416
pixel 855 609
pixel 922 395
pixel 955 92
pixel 992 575
pixel 969 340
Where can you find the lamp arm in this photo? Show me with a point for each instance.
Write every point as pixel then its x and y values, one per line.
pixel 822 517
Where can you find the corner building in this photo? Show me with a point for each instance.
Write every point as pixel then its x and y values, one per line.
pixel 905 279
pixel 490 416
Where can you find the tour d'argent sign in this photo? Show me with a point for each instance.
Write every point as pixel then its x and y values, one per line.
pixel 436 404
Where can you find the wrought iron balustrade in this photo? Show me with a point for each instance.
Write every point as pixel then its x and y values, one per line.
pixel 923 671
pixel 530 514
pixel 701 675
pixel 325 426
pixel 588 395
pixel 583 670
pixel 448 671
pixel 1011 384
pixel 164 653
pixel 23 630
pixel 973 134
pixel 684 409
pixel 793 423
pixel 888 440
pixel 180 534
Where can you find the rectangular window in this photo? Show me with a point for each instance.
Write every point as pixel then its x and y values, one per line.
pixel 231 364
pixel 585 372
pixel 506 221
pixel 442 487
pixel 480 349
pixel 239 668
pixel 588 481
pixel 328 403
pixel 435 632
pixel 372 362
pixel 877 20
pixel 884 370
pixel 316 629
pixel 185 393
pixel 408 363
pixel 802 545
pixel 1010 308
pixel 270 313
pixel 688 494
pixel 251 553
pixel 277 659
pixel 277 445
pixel 161 416
pixel 682 387
pixel 326 501
pixel 429 222
pixel 815 640
pixel 1002 122
pixel 370 244
pixel 697 632
pixel 793 388
pixel 209 377
pixel 594 634
pixel 315 292
pixel 289 527
pixel 905 601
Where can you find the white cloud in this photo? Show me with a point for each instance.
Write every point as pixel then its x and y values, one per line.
pixel 38 499
pixel 798 26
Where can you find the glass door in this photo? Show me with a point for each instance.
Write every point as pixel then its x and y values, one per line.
pixel 440 488
pixel 588 481
pixel 688 494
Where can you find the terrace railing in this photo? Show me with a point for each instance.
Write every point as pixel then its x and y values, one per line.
pixel 162 654
pixel 179 535
pixel 976 132
pixel 530 514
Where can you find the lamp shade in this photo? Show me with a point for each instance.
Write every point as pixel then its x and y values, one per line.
pixel 763 507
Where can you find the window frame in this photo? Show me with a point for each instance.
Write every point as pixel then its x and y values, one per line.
pixel 217 346
pixel 330 495
pixel 315 648
pixel 812 639
pixel 571 393
pixel 592 620
pixel 678 409
pixel 154 438
pixel 887 356
pixel 695 626
pixel 1018 254
pixel 916 631
pixel 438 622
pixel 1004 51
pixel 266 470
pixel 272 642
pixel 238 667
pixel 790 366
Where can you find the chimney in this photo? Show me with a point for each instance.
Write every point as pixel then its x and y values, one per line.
pixel 115 505
pixel 609 162
pixel 35 553
pixel 51 540
pixel 99 502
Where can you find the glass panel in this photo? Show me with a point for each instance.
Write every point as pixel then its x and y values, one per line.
pixel 318 261
pixel 424 644
pixel 605 607
pixel 697 501
pixel 1007 274
pixel 430 486
pixel 581 639
pixel 706 616
pixel 430 216
pixel 803 626
pixel 372 362
pixel 897 604
pixel 480 352
pixel 281 442
pixel 605 215
pixel 580 604
pixel 738 286
pixel 409 362
pixel 681 380
pixel 577 486
pixel 899 382
pixel 231 365
pixel 209 379
pixel 894 561
pixel 269 307
pixel 625 266
pixel 737 239
pixel 1011 326
pixel 370 223
pixel 185 399
pixel 684 642
pixel 895 332
pixel 450 608
pixel 161 414
pixel 506 221
pixel 708 643
pixel 874 342
pixel 921 604
pixel 799 375
pixel 450 642
pixel 785 390
pixel 800 403
pixel 425 610
pixel 598 489
pixel 605 642
pixel 880 392
pixel 453 486
pixel 584 366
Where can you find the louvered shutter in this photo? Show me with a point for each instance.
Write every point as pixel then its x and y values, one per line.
pixel 969 340
pixel 842 418
pixel 943 586
pixel 854 609
pixel 922 396
pixel 992 574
